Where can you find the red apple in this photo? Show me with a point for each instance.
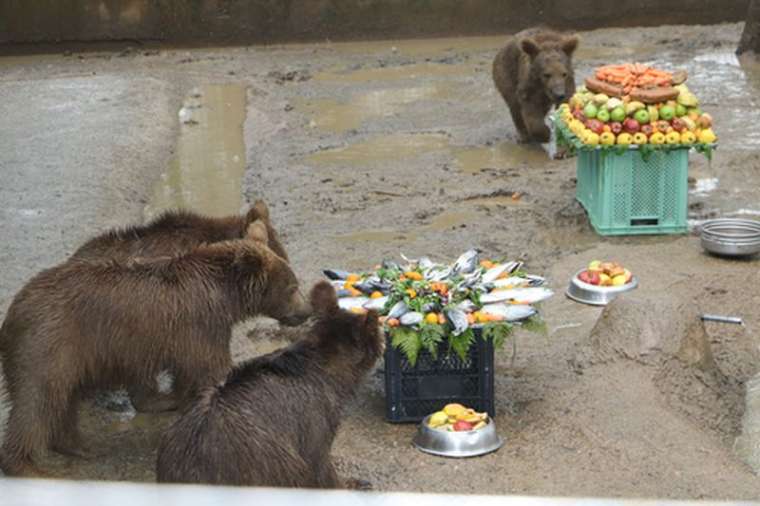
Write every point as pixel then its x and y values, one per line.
pixel 616 127
pixel 595 126
pixel 579 116
pixel 663 126
pixel 647 129
pixel 594 278
pixel 584 276
pixel 631 126
pixel 461 425
pixel 678 124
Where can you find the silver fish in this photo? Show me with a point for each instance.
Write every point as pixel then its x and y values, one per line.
pixel 352 302
pixel 365 287
pixel 335 274
pixel 425 263
pixel 529 295
pixel 467 262
pixel 510 312
pixel 411 318
pixel 376 304
pixel 494 272
pixel 390 264
pixel 342 293
pixel 513 281
pixel 535 280
pixel 399 309
pixel 438 273
pixel 428 307
pixel 467 306
pixel 458 319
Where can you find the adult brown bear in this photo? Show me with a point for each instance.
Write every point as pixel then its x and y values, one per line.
pixel 532 72
pixel 85 325
pixel 272 423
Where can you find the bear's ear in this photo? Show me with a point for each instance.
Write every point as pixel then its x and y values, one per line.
pixel 259 211
pixel 570 44
pixel 323 298
pixel 530 47
pixel 257 231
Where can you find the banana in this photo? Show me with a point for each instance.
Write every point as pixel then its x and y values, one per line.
pixel 654 113
pixel 632 107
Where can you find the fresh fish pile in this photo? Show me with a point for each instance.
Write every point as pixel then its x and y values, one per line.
pixel 468 293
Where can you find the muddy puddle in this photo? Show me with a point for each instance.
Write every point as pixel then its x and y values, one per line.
pixel 445 221
pixel 206 173
pixel 503 155
pixel 338 116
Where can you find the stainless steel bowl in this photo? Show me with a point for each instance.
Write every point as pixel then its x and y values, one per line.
pixel 471 443
pixel 596 295
pixel 731 237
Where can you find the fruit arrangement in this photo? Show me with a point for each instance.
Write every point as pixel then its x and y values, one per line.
pixel 605 274
pixel 457 418
pixel 635 105
pixel 424 303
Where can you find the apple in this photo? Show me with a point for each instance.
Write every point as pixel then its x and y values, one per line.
pixel 667 112
pixel 603 115
pixel 461 426
pixel 584 276
pixel 704 121
pixel 618 280
pixel 631 126
pixel 617 114
pixel 590 111
pixel 616 127
pixel 662 126
pixel 595 126
pixel 678 125
pixel 578 114
pixel 604 280
pixel 647 129
pixel 642 116
pixel 680 110
pixel 594 278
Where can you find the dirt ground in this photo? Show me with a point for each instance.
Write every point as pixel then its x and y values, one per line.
pixel 368 150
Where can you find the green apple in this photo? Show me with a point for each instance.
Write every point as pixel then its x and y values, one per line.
pixel 603 115
pixel 642 116
pixel 667 112
pixel 680 111
pixel 590 111
pixel 618 114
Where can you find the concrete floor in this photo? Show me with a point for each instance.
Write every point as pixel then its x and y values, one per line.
pixel 367 150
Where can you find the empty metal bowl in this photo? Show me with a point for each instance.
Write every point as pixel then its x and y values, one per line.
pixel 471 443
pixel 596 295
pixel 731 237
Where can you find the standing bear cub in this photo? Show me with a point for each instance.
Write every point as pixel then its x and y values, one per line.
pixel 533 72
pixel 84 325
pixel 272 423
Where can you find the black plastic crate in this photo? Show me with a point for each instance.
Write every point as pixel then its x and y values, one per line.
pixel 412 393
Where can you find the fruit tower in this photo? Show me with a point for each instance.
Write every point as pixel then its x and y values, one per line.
pixel 635 105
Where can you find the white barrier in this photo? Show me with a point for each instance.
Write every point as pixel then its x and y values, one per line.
pixel 70 493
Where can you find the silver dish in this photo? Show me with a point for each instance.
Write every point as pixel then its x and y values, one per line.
pixel 464 444
pixel 596 295
pixel 731 237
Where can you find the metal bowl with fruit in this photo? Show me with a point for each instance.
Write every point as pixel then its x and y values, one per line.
pixel 600 283
pixel 458 432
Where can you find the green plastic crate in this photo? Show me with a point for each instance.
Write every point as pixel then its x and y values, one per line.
pixel 631 193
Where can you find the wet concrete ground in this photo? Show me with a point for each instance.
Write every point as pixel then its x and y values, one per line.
pixel 367 150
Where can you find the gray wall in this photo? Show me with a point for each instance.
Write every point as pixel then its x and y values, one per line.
pixel 262 21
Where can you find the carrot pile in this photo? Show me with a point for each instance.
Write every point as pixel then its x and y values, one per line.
pixel 634 75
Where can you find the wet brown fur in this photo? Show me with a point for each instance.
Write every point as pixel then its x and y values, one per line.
pixel 84 325
pixel 532 72
pixel 272 423
pixel 172 233
pixel 176 232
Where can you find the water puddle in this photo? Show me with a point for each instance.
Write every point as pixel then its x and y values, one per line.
pixel 380 148
pixel 503 155
pixel 411 71
pixel 445 221
pixel 337 116
pixel 206 173
pixel 704 186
